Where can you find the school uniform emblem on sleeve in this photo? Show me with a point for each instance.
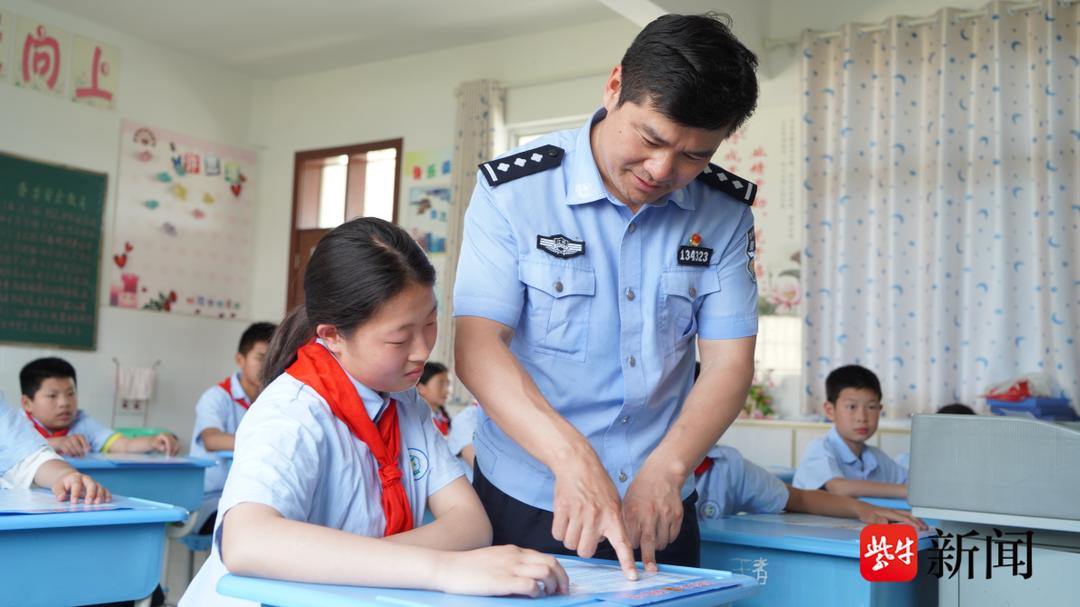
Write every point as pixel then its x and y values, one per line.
pixel 694 254
pixel 560 246
pixel 751 253
pixel 418 462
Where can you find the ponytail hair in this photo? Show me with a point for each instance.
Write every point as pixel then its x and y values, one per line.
pixel 355 269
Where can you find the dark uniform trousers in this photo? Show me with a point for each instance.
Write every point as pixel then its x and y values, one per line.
pixel 518 523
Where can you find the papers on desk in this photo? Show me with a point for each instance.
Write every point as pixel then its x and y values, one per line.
pixel 607 582
pixel 42 502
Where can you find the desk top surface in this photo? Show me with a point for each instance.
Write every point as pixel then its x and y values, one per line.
pixel 38 509
pixel 795 532
pixel 107 461
pixel 729 587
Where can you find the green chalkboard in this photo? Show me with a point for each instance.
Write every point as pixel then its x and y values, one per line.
pixel 50 252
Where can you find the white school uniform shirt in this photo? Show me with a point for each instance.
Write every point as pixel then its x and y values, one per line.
pixel 735 485
pixel 22 449
pixel 294 455
pixel 462 428
pixel 216 409
pixel 829 457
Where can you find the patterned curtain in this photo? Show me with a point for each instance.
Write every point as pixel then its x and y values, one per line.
pixel 480 130
pixel 943 201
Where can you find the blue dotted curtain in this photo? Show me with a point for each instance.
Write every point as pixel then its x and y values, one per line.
pixel 942 239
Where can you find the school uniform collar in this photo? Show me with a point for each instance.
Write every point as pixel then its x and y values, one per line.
pixel 868 461
pixel 374 403
pixel 238 388
pixel 584 183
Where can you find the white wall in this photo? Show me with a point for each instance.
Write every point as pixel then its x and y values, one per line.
pixel 161 88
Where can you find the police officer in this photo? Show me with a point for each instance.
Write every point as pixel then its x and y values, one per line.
pixel 590 263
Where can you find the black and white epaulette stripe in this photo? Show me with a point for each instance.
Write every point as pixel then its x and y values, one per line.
pixel 729 183
pixel 509 168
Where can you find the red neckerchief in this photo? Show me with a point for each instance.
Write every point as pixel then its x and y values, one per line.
pixel 316 367
pixel 705 465
pixel 441 421
pixel 42 430
pixel 226 385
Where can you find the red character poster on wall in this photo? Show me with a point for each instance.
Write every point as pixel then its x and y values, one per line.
pixel 43 54
pixel 95 73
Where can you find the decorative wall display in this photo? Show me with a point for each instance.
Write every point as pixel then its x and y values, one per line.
pixel 94 73
pixel 767 154
pixel 50 251
pixel 43 53
pixel 427 183
pixel 5 39
pixel 47 59
pixel 184 229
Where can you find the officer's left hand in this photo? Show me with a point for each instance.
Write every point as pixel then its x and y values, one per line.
pixel 652 511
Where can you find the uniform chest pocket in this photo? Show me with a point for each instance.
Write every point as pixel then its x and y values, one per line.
pixel 682 293
pixel 558 306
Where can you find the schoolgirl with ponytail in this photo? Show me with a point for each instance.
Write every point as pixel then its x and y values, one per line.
pixel 338 459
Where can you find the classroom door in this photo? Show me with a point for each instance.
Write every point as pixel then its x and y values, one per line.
pixel 332 186
pixel 304 247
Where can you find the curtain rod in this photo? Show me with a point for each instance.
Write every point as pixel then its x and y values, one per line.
pixel 775 43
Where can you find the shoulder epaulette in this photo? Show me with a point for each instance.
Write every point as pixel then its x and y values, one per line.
pixel 731 184
pixel 509 168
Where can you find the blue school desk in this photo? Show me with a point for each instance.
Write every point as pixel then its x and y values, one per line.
pixel 68 556
pixel 274 593
pixel 885 502
pixel 811 560
pixel 169 480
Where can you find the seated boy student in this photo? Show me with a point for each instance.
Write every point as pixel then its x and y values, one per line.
pixel 26 459
pixel 51 404
pixel 727 484
pixel 220 409
pixel 841 462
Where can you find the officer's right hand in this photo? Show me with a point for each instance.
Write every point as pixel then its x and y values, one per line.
pixel 587 509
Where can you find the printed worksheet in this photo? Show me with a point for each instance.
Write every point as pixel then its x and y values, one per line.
pixel 43 502
pixel 608 583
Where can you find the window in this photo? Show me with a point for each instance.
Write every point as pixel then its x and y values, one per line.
pixel 523 133
pixel 332 186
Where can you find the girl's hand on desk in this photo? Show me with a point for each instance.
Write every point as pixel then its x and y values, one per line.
pixel 74 445
pixel 75 485
pixel 501 570
pixel 875 515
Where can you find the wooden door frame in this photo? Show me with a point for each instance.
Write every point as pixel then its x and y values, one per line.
pixel 305 155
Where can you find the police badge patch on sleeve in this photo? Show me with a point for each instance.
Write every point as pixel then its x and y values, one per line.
pixel 560 246
pixel 751 253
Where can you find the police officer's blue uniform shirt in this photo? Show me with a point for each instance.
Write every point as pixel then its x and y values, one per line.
pixel 733 485
pixel 603 312
pixel 829 457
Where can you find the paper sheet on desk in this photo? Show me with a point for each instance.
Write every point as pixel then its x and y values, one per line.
pixel 608 583
pixel 41 502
